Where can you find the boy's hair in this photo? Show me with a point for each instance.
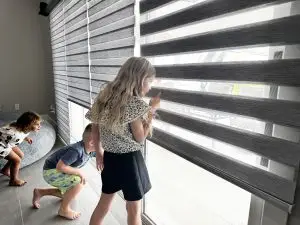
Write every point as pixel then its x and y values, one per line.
pixel 26 121
pixel 87 132
pixel 116 94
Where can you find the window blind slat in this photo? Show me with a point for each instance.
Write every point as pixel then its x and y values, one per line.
pixel 114 53
pixel 113 26
pixel 109 62
pixel 79 57
pixel 78 82
pixel 281 72
pixel 98 5
pixel 276 32
pixel 58 59
pixel 276 111
pixel 78 51
pixel 201 11
pixel 110 10
pixel 80 74
pixel 113 44
pixel 103 77
pixel 77 39
pixel 116 35
pixel 149 5
pixel 114 17
pixel 105 70
pixel 84 62
pixel 76 45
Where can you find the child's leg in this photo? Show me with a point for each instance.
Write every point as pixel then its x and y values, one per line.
pixel 65 210
pixel 14 169
pixel 102 209
pixel 38 193
pixel 18 151
pixel 134 212
pixel 6 169
pixel 68 184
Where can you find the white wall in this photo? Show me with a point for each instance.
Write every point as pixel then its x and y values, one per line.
pixel 25 53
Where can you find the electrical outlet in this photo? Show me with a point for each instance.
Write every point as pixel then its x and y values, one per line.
pixel 17 107
pixel 52 108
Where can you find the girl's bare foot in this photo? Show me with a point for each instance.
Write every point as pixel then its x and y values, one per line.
pixel 36 199
pixel 69 214
pixel 17 183
pixel 5 172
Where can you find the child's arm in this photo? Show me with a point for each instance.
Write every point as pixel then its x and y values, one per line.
pixel 98 146
pixel 29 140
pixel 141 129
pixel 62 167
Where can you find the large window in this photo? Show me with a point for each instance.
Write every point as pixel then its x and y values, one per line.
pixel 182 192
pixel 92 39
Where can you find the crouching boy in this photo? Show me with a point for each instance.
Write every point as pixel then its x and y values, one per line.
pixel 62 171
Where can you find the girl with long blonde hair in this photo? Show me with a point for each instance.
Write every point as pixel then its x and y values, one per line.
pixel 121 122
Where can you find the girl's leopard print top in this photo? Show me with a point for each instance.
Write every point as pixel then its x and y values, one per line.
pixel 123 141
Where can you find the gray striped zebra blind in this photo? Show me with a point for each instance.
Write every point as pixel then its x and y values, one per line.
pixel 90 41
pixel 76 34
pixel 274 32
pixel 57 25
pixel 111 27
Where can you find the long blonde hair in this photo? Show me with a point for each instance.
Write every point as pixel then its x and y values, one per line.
pixel 116 94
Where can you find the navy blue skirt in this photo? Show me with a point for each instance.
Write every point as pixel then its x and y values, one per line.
pixel 126 172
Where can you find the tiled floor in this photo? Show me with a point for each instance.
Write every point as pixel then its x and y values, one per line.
pixel 15 203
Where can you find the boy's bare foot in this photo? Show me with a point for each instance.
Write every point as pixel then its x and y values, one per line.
pixel 5 172
pixel 36 199
pixel 17 183
pixel 69 214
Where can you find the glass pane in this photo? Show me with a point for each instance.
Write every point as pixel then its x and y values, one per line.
pixel 85 121
pixel 184 193
pixel 76 122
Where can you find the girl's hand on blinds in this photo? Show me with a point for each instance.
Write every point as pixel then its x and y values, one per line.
pixel 155 101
